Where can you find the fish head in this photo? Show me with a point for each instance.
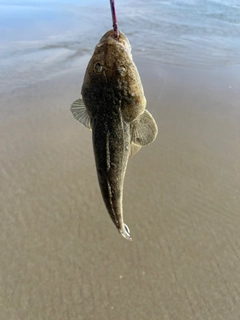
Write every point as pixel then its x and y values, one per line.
pixel 112 80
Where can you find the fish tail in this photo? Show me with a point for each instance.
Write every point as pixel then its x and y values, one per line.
pixel 125 232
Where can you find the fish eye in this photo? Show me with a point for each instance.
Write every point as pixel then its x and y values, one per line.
pixel 98 67
pixel 127 229
pixel 122 70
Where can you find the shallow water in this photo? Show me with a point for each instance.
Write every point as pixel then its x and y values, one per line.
pixel 40 38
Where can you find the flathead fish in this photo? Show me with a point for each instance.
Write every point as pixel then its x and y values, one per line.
pixel 113 107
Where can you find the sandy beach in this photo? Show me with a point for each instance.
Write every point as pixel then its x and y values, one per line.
pixel 61 257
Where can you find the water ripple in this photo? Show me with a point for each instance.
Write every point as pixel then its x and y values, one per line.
pixel 189 33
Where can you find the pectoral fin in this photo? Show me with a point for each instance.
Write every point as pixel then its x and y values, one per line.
pixel 80 113
pixel 143 132
pixel 134 149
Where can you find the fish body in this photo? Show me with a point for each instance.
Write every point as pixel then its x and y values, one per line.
pixel 113 106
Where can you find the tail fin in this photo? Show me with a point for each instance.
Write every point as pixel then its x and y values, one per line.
pixel 125 232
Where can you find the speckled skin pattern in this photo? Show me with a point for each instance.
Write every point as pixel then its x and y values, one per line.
pixel 113 95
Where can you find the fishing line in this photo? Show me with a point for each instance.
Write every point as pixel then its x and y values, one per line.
pixel 114 19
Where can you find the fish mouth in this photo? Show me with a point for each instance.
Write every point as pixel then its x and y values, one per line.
pixel 122 39
pixel 125 232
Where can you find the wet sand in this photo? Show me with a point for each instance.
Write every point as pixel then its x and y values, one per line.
pixel 62 257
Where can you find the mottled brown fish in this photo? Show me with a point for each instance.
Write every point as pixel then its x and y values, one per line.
pixel 113 106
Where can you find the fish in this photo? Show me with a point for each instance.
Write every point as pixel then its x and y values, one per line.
pixel 113 107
